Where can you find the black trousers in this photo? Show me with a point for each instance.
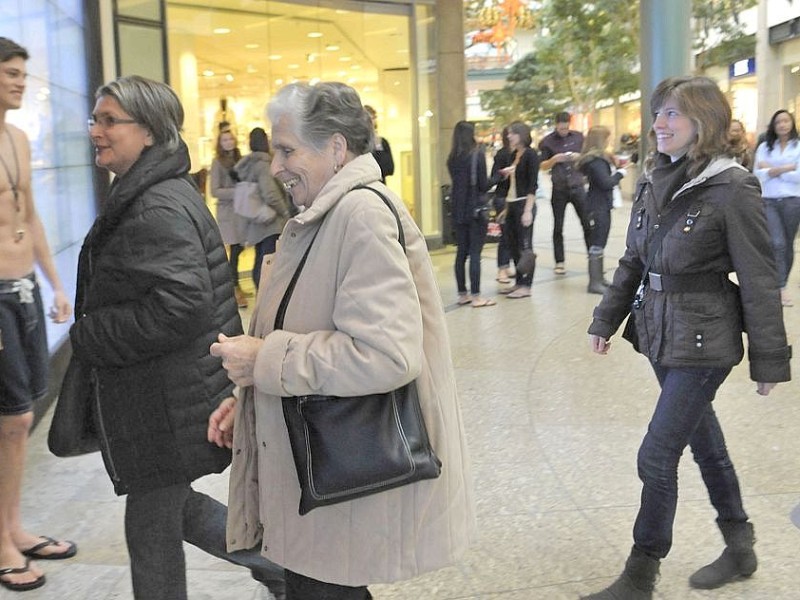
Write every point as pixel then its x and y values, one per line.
pixel 562 196
pixel 300 587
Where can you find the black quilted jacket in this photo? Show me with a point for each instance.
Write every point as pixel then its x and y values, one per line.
pixel 154 289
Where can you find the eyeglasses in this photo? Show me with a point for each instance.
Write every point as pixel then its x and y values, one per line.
pixel 107 121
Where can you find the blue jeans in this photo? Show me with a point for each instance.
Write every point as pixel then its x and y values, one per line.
pixel 469 239
pixel 156 524
pixel 783 219
pixel 683 416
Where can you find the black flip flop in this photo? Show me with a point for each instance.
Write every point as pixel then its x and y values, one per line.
pixel 34 553
pixel 21 587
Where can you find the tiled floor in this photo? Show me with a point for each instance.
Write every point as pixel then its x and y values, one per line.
pixel 553 431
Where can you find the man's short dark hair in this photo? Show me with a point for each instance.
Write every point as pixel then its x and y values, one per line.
pixel 10 49
pixel 563 117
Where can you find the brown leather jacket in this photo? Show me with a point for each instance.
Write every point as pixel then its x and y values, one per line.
pixel 723 230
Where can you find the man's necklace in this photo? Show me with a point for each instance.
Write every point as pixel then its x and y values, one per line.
pixel 14 183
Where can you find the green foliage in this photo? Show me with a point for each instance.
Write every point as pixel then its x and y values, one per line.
pixel 589 51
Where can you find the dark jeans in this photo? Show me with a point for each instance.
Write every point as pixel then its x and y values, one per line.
pixel 264 247
pixel 562 196
pixel 469 240
pixel 233 261
pixel 156 524
pixel 599 224
pixel 300 587
pixel 783 219
pixel 518 237
pixel 683 416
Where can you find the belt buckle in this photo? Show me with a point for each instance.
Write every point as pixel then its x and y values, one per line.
pixel 655 282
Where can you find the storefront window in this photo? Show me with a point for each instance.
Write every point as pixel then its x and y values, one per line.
pixel 227 58
pixel 53 116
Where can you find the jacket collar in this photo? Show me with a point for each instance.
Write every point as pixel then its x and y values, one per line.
pixel 717 165
pixel 362 170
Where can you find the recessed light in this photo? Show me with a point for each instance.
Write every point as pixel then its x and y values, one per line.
pixel 252 46
pixel 345 58
pixel 332 48
pixel 293 66
pixel 275 56
pixel 228 77
pixel 315 34
pixel 222 30
pixel 208 73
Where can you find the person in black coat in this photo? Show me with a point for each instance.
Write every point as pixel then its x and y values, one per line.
pixel 597 164
pixel 523 174
pixel 154 290
pixel 502 159
pixel 467 167
pixel 382 151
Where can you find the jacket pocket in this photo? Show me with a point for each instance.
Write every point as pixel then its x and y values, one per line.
pixel 706 332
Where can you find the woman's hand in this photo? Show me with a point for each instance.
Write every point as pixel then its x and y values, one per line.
pixel 527 217
pixel 598 344
pixel 220 423
pixel 238 356
pixel 764 389
pixel 507 171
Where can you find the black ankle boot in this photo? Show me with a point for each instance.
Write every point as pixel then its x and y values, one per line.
pixel 738 560
pixel 636 582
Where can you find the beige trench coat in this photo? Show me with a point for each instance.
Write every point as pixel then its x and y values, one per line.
pixel 363 318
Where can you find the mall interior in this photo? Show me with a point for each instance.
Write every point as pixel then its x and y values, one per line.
pixel 552 429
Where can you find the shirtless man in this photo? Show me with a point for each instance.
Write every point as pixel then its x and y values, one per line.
pixel 23 345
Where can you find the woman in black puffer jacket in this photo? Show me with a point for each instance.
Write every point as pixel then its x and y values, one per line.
pixel 154 290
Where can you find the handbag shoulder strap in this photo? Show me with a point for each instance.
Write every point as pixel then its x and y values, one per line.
pixel 287 295
pixel 473 177
pixel 664 226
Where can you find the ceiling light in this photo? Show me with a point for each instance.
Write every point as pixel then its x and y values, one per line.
pixel 315 34
pixel 208 73
pixel 345 58
pixel 222 30
pixel 252 46
pixel 229 78
pixel 293 66
pixel 275 56
pixel 355 67
pixel 331 47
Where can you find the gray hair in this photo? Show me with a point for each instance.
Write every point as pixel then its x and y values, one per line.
pixel 322 110
pixel 152 104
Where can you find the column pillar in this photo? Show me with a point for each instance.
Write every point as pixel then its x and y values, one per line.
pixel 452 76
pixel 665 47
pixel 768 71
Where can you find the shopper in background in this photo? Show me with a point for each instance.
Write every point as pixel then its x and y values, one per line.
pixel 559 151
pixel 598 165
pixel 502 159
pixel 467 167
pixel 382 151
pixel 778 168
pixel 740 147
pixel 687 317
pixel 263 232
pixel 223 184
pixel 523 175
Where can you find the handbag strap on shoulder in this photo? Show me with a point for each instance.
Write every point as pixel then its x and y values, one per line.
pixel 279 316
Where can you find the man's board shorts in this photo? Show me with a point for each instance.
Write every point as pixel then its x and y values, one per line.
pixel 24 357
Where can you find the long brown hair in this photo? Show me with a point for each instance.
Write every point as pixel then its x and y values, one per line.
pixel 228 158
pixel 701 100
pixel 595 143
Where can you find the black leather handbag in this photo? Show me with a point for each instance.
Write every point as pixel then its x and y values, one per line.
pixel 72 431
pixel 347 448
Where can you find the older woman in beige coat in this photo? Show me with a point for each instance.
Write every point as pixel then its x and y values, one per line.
pixel 364 318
